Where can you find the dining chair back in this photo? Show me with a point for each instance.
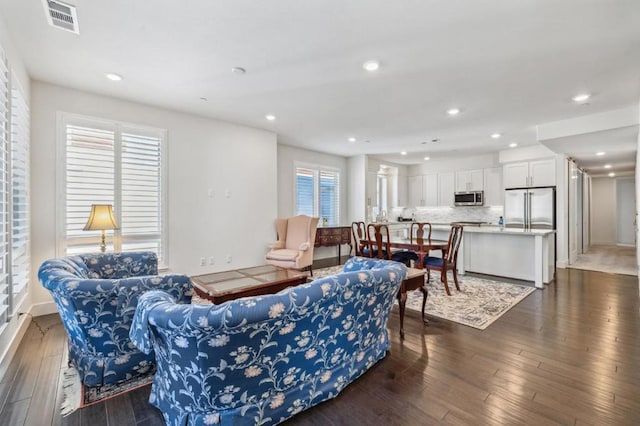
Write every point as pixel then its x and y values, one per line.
pixel 449 260
pixel 379 235
pixel 359 235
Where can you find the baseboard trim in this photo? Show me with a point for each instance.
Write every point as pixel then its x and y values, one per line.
pixel 562 264
pixel 43 308
pixel 625 245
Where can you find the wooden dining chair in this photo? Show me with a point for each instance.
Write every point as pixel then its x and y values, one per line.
pixel 378 234
pixel 448 260
pixel 419 234
pixel 359 235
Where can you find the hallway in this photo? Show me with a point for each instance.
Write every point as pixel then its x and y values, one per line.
pixel 610 259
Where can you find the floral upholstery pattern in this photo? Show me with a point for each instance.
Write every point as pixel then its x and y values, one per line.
pixel 261 360
pixel 96 295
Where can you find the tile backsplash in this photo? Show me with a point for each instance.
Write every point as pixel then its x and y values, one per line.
pixel 450 214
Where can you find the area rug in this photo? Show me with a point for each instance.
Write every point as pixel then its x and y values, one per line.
pixel 478 304
pixel 75 395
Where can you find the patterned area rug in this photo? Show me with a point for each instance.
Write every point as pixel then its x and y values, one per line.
pixel 75 395
pixel 478 304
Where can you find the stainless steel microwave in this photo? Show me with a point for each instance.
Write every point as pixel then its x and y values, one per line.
pixel 469 198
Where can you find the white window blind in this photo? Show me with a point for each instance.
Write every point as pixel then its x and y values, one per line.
pixel 20 206
pixel 318 193
pixel 111 163
pixel 5 282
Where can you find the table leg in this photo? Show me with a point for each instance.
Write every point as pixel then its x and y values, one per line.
pixel 402 301
pixel 339 247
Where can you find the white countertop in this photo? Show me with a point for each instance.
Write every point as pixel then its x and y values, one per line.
pixel 492 229
pixel 483 229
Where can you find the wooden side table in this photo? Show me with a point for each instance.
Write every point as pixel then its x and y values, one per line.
pixel 333 236
pixel 413 281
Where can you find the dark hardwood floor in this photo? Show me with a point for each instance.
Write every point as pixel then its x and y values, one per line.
pixel 568 354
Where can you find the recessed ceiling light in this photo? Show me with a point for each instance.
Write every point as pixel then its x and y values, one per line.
pixel 113 76
pixel 238 70
pixel 453 111
pixel 513 145
pixel 600 154
pixel 352 139
pixel 612 174
pixel 435 140
pixel 270 117
pixel 581 97
pixel 371 65
pixel 496 135
pixel 203 99
pixel 427 158
pixel 403 153
pixel 607 166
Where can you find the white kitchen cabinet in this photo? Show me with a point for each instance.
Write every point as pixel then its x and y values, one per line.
pixel 446 188
pixel 430 190
pixel 493 190
pixel 414 191
pixel 542 172
pixel 371 189
pixel 469 180
pixel 530 173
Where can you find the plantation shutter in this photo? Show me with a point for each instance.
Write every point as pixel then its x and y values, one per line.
pixel 305 191
pixel 20 208
pixel 329 197
pixel 4 189
pixel 111 163
pixel 89 179
pixel 141 187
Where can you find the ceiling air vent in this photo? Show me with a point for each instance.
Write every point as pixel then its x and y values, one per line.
pixel 61 15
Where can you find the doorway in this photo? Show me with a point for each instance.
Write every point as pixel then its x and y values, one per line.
pixel 612 231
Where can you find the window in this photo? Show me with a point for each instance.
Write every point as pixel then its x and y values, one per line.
pixel 14 195
pixel 318 193
pixel 118 164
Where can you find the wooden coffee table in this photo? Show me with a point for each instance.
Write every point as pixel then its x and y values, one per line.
pixel 220 287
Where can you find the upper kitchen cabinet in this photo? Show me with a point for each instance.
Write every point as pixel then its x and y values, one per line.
pixel 530 174
pixel 446 187
pixel 493 193
pixel 414 191
pixel 469 180
pixel 371 189
pixel 423 190
pixel 430 190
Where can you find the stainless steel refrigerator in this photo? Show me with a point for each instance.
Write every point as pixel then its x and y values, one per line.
pixel 533 208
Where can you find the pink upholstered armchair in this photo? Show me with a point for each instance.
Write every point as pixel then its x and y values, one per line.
pixel 294 248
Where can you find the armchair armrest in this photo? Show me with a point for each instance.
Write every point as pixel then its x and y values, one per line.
pixel 277 245
pixel 304 246
pixel 178 287
pixel 139 332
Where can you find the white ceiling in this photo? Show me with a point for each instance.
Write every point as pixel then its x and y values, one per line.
pixel 619 147
pixel 509 65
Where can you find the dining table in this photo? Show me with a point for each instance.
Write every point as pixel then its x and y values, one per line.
pixel 413 281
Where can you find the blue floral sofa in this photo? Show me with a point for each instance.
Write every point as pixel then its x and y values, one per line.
pixel 261 360
pixel 96 295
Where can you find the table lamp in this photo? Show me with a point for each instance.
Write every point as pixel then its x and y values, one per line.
pixel 100 219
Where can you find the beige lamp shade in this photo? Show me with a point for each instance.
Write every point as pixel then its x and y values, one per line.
pixel 101 218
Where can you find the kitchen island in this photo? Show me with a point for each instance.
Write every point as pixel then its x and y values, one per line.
pixel 505 252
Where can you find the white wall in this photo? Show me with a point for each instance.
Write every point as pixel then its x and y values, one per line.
pixel 14 329
pixel 288 156
pixel 603 211
pixel 202 153
pixel 625 211
pixel 357 204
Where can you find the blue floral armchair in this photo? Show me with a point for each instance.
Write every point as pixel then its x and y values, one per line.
pixel 261 360
pixel 97 295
